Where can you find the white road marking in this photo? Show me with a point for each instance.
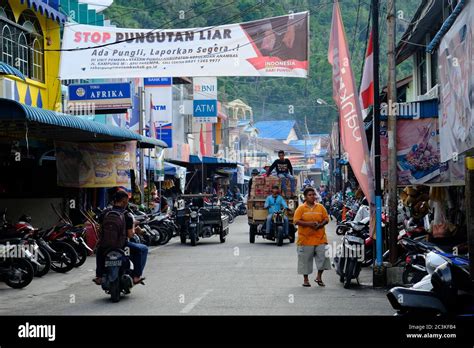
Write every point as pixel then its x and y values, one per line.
pixel 189 307
pixel 241 263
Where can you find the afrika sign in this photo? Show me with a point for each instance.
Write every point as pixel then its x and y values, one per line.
pixel 275 46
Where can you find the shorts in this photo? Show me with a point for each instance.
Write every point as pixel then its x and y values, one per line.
pixel 306 253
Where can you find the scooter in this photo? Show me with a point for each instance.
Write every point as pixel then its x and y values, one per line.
pixel 117 279
pixel 350 255
pixel 451 293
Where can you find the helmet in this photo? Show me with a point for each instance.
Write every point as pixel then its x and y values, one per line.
pixel 255 171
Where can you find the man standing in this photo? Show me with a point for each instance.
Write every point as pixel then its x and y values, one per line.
pixel 284 171
pixel 311 217
pixel 275 203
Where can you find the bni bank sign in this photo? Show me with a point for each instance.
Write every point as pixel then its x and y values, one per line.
pixel 205 99
pixel 99 98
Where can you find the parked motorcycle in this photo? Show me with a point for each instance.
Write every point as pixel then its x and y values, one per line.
pixel 17 272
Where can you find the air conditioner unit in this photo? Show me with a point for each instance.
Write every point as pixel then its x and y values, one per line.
pixel 431 94
pixel 7 88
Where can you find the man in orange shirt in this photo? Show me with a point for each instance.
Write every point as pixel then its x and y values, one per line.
pixel 311 217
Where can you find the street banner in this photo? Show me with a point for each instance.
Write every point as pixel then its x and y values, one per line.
pixel 276 46
pixel 205 99
pixel 240 174
pixel 159 108
pixel 160 166
pixel 345 95
pixel 367 84
pixel 87 165
pixel 456 73
pixel 100 97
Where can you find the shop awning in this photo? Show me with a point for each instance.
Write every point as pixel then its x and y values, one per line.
pixel 211 160
pixel 48 8
pixel 20 121
pixel 6 69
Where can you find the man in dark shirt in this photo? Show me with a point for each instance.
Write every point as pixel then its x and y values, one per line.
pixel 284 171
pixel 138 252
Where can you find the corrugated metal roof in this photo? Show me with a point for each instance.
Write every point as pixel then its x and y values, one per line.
pixel 277 145
pixel 6 69
pixel 278 129
pixel 57 126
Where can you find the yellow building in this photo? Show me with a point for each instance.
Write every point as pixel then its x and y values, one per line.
pixel 30 43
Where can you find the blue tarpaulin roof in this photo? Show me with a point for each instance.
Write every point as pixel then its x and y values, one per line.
pixel 6 69
pixel 19 119
pixel 210 160
pixel 275 129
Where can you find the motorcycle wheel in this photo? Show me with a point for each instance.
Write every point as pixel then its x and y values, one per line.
pixel 279 235
pixel 20 274
pixel 222 236
pixel 182 238
pixel 252 233
pixel 291 236
pixel 192 237
pixel 45 260
pixel 115 291
pixel 348 274
pixel 65 259
pixel 81 255
pixel 341 230
pixel 411 275
pixel 231 217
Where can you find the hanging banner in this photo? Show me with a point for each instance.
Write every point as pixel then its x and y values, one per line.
pixel 345 95
pixel 159 108
pixel 240 174
pixel 160 166
pixel 456 73
pixel 205 99
pixel 276 46
pixel 86 165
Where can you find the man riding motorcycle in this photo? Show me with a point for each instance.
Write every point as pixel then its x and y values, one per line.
pixel 275 203
pixel 118 239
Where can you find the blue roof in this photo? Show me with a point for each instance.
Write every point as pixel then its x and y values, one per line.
pixel 300 145
pixel 210 160
pixel 79 129
pixel 6 69
pixel 275 129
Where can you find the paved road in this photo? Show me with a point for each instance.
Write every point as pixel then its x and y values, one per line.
pixel 234 278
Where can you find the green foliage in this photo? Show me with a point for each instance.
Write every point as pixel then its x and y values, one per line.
pixel 271 97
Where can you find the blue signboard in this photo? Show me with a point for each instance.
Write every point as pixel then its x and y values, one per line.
pixel 103 96
pixel 205 108
pixel 158 81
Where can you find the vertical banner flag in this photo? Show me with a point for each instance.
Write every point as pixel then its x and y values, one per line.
pixel 367 85
pixel 346 98
pixel 205 99
pixel 160 166
pixel 159 106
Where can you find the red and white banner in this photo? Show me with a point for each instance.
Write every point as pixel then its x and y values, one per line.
pixel 367 85
pixel 346 98
pixel 276 46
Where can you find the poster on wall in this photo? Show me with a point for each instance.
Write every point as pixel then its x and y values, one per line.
pixel 418 154
pixel 159 106
pixel 88 165
pixel 456 74
pixel 276 46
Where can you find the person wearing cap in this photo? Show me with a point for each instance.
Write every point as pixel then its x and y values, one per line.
pixel 275 203
pixel 254 174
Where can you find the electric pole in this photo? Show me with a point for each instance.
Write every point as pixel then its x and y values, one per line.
pixel 392 132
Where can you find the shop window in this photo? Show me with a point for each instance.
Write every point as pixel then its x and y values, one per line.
pixel 21 61
pixel 7 45
pixel 31 30
pixel 37 54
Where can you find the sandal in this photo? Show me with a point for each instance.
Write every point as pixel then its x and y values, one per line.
pixel 97 281
pixel 320 282
pixel 306 285
pixel 139 281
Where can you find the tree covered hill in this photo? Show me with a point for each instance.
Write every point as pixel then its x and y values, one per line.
pixel 276 98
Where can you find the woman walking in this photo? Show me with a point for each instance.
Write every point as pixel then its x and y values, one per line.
pixel 311 217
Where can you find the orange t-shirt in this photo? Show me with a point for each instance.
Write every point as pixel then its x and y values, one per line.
pixel 308 235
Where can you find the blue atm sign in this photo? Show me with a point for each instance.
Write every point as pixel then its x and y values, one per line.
pixel 205 111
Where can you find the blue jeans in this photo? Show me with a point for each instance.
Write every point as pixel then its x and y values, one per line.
pixel 268 227
pixel 284 176
pixel 138 255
